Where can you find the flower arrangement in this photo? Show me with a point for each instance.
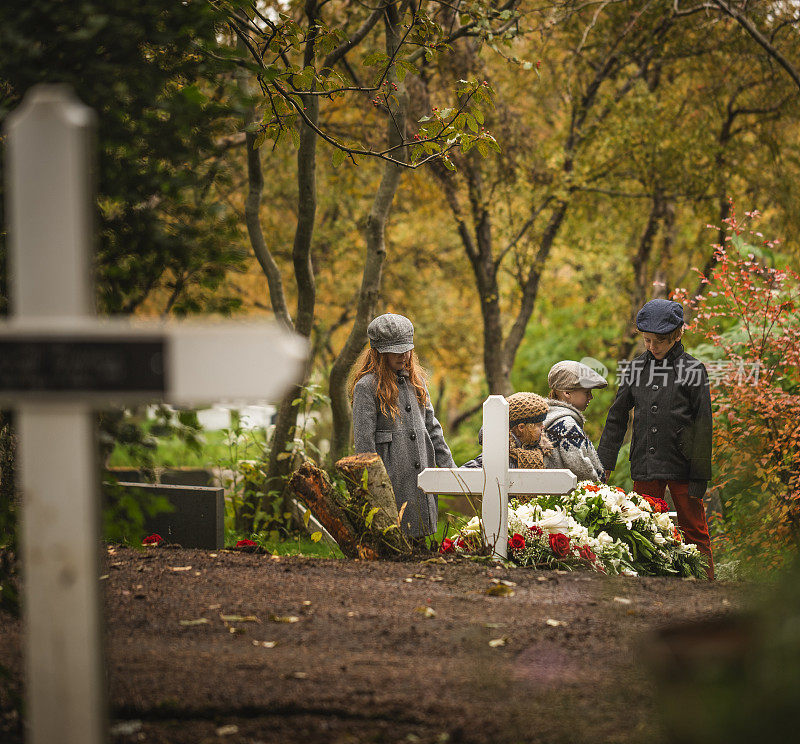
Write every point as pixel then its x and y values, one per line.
pixel 154 539
pixel 597 526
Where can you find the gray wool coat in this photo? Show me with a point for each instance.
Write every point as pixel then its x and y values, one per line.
pixel 407 445
pixel 572 449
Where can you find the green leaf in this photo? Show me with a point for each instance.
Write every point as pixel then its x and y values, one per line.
pixel 316 536
pixel 307 517
pixel 371 516
pixel 374 59
pixel 338 157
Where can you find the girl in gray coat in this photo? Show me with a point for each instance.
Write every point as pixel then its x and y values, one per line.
pixel 393 416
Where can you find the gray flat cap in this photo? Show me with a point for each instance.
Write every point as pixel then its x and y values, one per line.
pixel 660 316
pixel 570 375
pixel 391 333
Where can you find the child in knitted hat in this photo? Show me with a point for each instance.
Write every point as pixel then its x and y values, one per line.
pixel 528 446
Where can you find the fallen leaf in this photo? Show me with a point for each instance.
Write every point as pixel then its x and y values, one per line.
pixel 437 559
pixel 227 730
pixel 495 626
pixel 420 576
pixel 284 618
pixel 503 582
pixel 436 578
pixel 239 618
pixel 306 603
pixel 199 621
pixel 499 590
pixel 622 600
pixel 214 606
pixel 408 580
pixel 180 568
pixel 265 644
pixel 352 614
pixel 426 611
pixel 125 728
pixel 103 577
pixel 316 536
pixel 212 555
pixel 299 675
pixel 541 578
pixel 554 623
pixel 497 642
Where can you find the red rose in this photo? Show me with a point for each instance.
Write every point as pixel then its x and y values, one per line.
pixel 676 535
pixel 517 542
pixel 537 530
pixel 246 544
pixel 587 554
pixel 559 544
pixel 657 505
pixel 447 546
pixel 153 539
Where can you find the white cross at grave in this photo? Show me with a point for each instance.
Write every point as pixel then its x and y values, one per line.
pixel 495 481
pixel 58 362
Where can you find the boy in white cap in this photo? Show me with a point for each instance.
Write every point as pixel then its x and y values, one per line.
pixel 671 444
pixel 571 384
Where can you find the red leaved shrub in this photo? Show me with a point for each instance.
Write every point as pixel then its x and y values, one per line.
pixel 749 314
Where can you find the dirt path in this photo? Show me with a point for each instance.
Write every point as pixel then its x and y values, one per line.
pixel 361 663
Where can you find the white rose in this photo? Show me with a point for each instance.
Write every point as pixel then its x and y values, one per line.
pixel 605 539
pixel 663 521
pixel 659 539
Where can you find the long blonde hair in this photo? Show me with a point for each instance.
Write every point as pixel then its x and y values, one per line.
pixel 372 361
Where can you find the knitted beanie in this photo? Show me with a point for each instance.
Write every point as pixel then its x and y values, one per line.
pixel 526 408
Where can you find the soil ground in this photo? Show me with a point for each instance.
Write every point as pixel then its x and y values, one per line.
pixel 562 660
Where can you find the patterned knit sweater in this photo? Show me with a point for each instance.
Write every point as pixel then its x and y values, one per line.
pixel 572 448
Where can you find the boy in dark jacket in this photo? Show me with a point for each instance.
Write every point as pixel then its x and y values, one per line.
pixel 671 445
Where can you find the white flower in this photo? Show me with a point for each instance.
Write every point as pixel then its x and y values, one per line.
pixel 628 572
pixel 553 521
pixel 526 513
pixel 605 539
pixel 473 527
pixel 659 539
pixel 663 521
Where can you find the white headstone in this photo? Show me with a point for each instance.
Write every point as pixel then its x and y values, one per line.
pixel 495 481
pixel 56 361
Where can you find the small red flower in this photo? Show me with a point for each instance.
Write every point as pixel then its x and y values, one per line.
pixel 153 539
pixel 537 530
pixel 658 505
pixel 559 544
pixel 447 546
pixel 517 542
pixel 676 535
pixel 587 554
pixel 246 544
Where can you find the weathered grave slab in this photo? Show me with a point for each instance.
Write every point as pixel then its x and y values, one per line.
pixel 197 519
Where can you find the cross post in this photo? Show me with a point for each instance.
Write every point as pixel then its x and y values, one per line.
pixel 57 363
pixel 495 481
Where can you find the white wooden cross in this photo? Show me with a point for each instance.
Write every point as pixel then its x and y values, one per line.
pixel 495 481
pixel 56 361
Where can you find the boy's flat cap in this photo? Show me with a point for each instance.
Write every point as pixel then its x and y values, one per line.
pixel 391 333
pixel 660 316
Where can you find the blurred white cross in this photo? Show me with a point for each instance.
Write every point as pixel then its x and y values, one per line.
pixel 495 480
pixel 58 362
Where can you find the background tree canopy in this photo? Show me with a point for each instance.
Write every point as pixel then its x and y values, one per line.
pixel 516 177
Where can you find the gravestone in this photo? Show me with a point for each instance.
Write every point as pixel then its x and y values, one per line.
pixel 57 363
pixel 197 519
pixel 495 480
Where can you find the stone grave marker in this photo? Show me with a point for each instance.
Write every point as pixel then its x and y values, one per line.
pixel 495 480
pixel 57 363
pixel 197 519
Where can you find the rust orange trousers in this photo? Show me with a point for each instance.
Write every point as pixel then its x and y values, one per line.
pixel 691 513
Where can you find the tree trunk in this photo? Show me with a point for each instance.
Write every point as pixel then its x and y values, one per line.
pixel 286 419
pixel 314 488
pixel 374 234
pixel 370 488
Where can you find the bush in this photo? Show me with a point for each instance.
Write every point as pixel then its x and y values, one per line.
pixel 749 316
